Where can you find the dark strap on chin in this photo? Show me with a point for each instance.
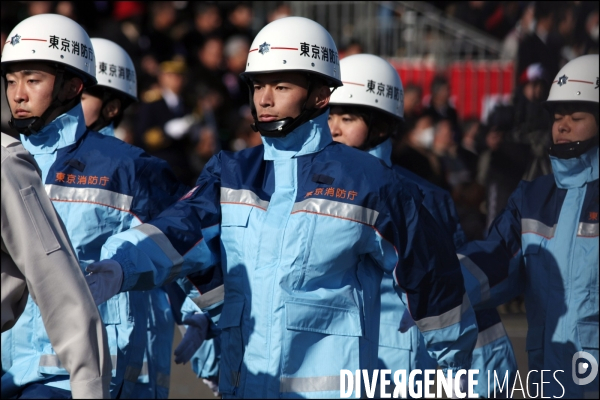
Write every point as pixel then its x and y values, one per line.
pixel 572 149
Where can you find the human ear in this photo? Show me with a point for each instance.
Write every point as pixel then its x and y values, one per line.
pixel 111 109
pixel 72 88
pixel 323 94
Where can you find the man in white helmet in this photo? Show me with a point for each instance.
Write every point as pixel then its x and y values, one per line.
pixel 545 245
pixel 366 118
pixel 99 186
pixel 299 231
pixel 103 107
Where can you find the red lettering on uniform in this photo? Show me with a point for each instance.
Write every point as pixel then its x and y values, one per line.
pixel 70 178
pixel 352 194
pixel 60 177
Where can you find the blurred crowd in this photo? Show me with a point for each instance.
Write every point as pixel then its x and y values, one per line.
pixel 188 57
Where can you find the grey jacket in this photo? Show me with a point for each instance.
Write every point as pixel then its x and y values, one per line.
pixel 37 259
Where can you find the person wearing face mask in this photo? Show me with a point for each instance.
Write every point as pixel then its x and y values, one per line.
pixel 367 121
pixel 298 232
pixel 415 154
pixel 544 244
pixel 98 185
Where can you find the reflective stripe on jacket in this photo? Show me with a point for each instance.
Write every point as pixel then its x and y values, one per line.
pixel 292 224
pixel 545 245
pixel 99 186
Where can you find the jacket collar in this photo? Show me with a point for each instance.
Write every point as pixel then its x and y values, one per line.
pixel 108 130
pixel 383 151
pixel 576 171
pixel 310 137
pixel 65 130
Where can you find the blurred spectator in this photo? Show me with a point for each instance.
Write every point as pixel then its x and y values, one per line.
pixel 473 13
pixel 467 150
pixel 439 106
pixel 413 103
pixel 239 22
pixel 414 152
pixel 162 124
pixel 445 148
pixel 502 164
pixel 502 19
pixel 354 47
pixel 281 11
pixel 525 26
pixel 543 45
pixel 207 22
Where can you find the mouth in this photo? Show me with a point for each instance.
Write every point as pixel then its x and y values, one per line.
pixel 21 113
pixel 267 118
pixel 563 141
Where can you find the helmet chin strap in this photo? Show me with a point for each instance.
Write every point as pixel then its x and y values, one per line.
pixel 572 149
pixel 286 125
pixel 32 125
pixel 101 121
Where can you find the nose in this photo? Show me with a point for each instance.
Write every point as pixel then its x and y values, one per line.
pixel 334 127
pixel 265 99
pixel 564 127
pixel 19 93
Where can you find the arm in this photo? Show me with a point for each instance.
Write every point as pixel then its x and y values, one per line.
pixel 493 268
pixel 183 239
pixel 33 236
pixel 427 270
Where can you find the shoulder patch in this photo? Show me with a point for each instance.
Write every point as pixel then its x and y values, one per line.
pixel 8 140
pixel 152 95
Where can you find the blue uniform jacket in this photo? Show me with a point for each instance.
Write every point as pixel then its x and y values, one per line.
pixel 493 350
pixel 295 227
pixel 99 186
pixel 545 245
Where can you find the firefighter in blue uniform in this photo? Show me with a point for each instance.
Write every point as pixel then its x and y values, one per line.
pixel 299 231
pixel 366 119
pixel 103 107
pixel 99 186
pixel 545 244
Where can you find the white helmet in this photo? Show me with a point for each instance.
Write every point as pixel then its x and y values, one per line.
pixel 114 68
pixel 576 81
pixel 295 44
pixel 53 38
pixel 372 82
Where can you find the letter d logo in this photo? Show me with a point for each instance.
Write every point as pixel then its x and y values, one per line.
pixel 583 367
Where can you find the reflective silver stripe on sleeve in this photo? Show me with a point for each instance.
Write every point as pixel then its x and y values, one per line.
pixel 444 320
pixel 311 384
pixel 90 195
pixel 165 245
pixel 537 227
pixel 337 209
pixel 481 277
pixel 587 230
pixel 52 360
pixel 490 334
pixel 211 297
pixel 242 196
pixel 163 380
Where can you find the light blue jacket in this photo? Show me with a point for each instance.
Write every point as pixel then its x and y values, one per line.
pixel 99 186
pixel 545 245
pixel 290 226
pixel 155 375
pixel 493 351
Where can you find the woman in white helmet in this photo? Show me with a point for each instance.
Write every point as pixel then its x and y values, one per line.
pixel 99 186
pixel 104 103
pixel 364 117
pixel 288 228
pixel 545 245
